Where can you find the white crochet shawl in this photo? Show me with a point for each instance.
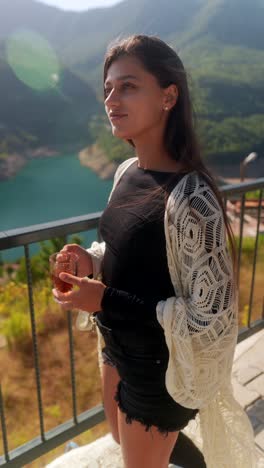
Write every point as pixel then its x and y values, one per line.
pixel 201 344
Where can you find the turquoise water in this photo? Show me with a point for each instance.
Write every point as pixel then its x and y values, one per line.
pixel 48 190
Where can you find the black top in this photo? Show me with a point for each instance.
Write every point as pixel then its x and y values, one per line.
pixel 135 268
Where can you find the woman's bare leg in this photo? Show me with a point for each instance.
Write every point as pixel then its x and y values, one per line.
pixel 183 452
pixel 110 379
pixel 144 449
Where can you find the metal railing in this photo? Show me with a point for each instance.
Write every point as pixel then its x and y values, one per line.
pixel 81 422
pixel 234 193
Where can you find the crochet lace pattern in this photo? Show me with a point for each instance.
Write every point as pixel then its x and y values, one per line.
pixel 200 322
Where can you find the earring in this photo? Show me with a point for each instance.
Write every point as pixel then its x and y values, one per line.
pixel 166 108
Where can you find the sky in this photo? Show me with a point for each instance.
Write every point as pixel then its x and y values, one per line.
pixel 79 5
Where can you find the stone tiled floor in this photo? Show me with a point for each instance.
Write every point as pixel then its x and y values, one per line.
pixel 248 382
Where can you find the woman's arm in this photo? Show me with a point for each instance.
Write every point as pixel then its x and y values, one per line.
pixel 122 305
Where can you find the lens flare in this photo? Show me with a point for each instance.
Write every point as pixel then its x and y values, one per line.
pixel 33 60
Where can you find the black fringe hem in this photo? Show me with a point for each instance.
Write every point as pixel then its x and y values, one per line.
pixel 130 417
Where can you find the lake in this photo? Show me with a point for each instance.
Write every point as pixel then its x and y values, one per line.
pixel 49 189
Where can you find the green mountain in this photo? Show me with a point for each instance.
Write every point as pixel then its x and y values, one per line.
pixel 52 116
pixel 221 43
pixel 55 116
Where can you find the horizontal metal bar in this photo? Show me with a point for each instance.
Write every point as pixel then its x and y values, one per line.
pixel 243 187
pixel 35 448
pixel 38 232
pixel 247 332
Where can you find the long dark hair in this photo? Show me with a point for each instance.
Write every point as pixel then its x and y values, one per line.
pixel 180 138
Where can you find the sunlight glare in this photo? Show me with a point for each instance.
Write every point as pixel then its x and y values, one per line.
pixel 33 60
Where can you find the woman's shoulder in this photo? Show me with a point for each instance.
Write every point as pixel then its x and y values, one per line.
pixel 122 168
pixel 192 189
pixel 125 164
pixel 188 184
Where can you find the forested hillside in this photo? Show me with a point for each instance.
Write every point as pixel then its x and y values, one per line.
pixel 221 43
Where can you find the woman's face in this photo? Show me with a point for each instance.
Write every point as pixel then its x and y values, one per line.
pixel 135 95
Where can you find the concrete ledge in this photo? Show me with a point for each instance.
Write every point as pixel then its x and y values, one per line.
pixel 248 343
pixel 102 453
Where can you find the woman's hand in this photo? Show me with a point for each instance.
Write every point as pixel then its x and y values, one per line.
pixel 85 266
pixel 87 296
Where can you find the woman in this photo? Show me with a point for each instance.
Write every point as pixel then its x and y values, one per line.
pixel 163 293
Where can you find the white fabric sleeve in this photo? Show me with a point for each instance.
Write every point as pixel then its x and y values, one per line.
pixel 96 251
pixel 200 321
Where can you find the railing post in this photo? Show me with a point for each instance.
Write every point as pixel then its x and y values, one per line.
pixel 35 342
pixel 3 424
pixel 242 211
pixel 254 262
pixel 73 380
